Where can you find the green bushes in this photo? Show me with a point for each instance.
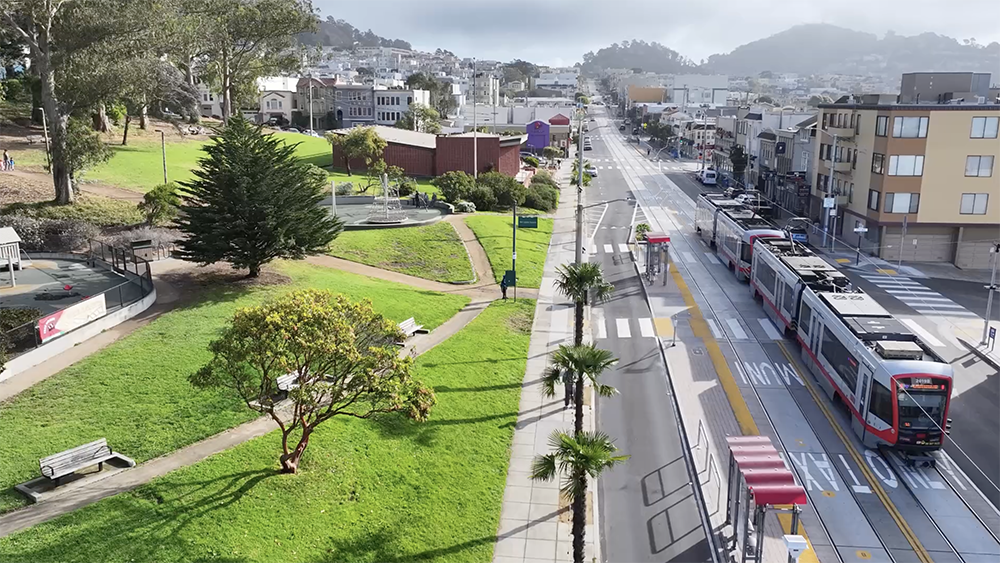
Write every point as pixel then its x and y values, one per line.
pixel 455 186
pixel 507 191
pixel 543 192
pixel 532 161
pixel 160 204
pixel 101 211
pixel 50 235
pixel 482 197
pixel 490 191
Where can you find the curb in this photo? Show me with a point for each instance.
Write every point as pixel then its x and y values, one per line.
pixel 982 355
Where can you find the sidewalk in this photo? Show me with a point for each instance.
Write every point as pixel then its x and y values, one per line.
pixel 535 521
pixel 847 257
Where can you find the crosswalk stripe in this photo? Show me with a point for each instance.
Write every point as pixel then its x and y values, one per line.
pixel 738 332
pixel 608 249
pixel 956 313
pixel 923 334
pixel 592 250
pixel 769 328
pixel 602 329
pixel 917 292
pixel 712 258
pixel 951 305
pixel 623 329
pixel 623 248
pixel 714 327
pixel 689 258
pixel 922 298
pixel 646 328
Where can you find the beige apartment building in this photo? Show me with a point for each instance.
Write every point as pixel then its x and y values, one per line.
pixel 922 178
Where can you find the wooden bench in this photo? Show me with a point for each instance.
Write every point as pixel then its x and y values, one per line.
pixel 287 382
pixel 32 139
pixel 59 465
pixel 410 327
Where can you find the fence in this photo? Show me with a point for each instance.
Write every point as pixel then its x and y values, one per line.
pixel 138 284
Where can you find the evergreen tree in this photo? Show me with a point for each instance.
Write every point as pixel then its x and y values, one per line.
pixel 252 200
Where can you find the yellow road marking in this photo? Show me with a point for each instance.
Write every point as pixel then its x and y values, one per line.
pixel 887 271
pixel 747 425
pixel 664 327
pixel 875 484
pixel 843 260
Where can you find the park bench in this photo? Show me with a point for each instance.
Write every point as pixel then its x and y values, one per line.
pixel 32 139
pixel 410 327
pixel 286 382
pixel 59 465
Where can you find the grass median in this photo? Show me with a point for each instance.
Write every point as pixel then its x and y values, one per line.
pixel 379 490
pixel 495 233
pixel 135 392
pixel 433 252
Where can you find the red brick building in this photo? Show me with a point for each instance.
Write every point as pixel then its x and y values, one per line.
pixel 426 155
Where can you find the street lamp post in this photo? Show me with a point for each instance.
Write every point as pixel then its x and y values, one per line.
pixel 995 255
pixel 579 189
pixel 163 150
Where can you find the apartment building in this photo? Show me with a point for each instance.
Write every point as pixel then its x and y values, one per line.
pixel 390 105
pixel 921 177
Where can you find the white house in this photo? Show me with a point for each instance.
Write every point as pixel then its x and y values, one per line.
pixel 390 105
pixel 277 98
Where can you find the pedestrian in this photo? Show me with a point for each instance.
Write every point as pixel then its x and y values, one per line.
pixel 647 151
pixel 568 381
pixel 6 160
pixel 503 288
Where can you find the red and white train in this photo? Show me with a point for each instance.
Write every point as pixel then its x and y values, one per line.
pixel 897 389
pixel 733 230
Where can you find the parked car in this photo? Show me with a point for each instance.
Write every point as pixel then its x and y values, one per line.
pixel 592 172
pixel 587 147
pixel 621 127
pixel 526 154
pixel 311 133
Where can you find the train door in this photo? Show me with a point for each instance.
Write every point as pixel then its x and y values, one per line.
pixel 862 400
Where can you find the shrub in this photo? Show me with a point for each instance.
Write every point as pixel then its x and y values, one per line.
pixel 507 191
pixel 406 186
pixel 465 207
pixel 455 186
pixel 482 197
pixel 345 188
pixel 101 211
pixel 541 196
pixel 30 229
pixel 640 231
pixel 69 235
pixel 160 204
pixel 531 161
pixel 544 177
pixel 13 317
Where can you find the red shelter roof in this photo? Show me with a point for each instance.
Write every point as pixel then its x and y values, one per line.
pixel 771 495
pixel 748 441
pixel 758 476
pixel 759 462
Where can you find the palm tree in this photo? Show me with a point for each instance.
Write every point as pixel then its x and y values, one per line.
pixel 587 455
pixel 577 281
pixel 580 362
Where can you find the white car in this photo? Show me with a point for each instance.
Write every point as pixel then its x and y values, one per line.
pixel 708 177
pixel 592 172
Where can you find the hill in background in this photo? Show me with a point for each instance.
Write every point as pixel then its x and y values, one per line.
pixel 338 33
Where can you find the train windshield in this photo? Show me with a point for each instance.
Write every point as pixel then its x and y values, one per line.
pixel 922 409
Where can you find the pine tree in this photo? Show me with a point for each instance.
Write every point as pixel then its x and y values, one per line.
pixel 252 201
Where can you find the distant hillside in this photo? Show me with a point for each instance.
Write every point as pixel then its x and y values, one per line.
pixel 339 33
pixel 650 57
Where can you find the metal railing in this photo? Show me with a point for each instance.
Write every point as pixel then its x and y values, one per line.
pixel 26 337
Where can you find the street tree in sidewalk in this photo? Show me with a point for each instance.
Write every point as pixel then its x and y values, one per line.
pixel 582 364
pixel 576 459
pixel 551 153
pixel 360 143
pixel 253 200
pixel 578 282
pixel 343 356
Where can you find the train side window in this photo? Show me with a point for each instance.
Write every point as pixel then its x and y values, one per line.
pixel 841 360
pixel 881 402
pixel 805 317
pixel 789 300
pixel 767 278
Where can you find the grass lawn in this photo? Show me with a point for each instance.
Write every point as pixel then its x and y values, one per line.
pixel 494 233
pixel 369 491
pixel 433 252
pixel 136 394
pixel 101 211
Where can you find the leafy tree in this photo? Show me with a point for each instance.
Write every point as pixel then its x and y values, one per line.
pixel 507 191
pixel 455 186
pixel 581 363
pixel 575 173
pixel 359 143
pixel 253 200
pixel 551 153
pixel 577 282
pixel 576 458
pixel 420 118
pixel 157 83
pixel 441 98
pixel 738 158
pixel 765 99
pixel 343 354
pixel 640 231
pixel 84 148
pixel 160 204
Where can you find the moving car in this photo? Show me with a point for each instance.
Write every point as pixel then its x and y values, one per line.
pixel 708 177
pixel 621 127
pixel 592 172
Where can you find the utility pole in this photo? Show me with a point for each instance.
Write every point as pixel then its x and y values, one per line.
pixel 829 190
pixel 475 126
pixel 310 101
pixel 995 255
pixel 579 189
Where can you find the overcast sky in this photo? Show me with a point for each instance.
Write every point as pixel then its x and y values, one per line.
pixel 559 32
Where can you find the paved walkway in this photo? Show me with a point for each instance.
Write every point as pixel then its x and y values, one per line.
pixel 535 524
pixel 477 254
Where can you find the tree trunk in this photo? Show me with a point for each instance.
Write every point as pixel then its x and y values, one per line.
pixel 578 400
pixel 57 121
pixel 347 163
pixel 101 121
pixel 227 86
pixel 128 119
pixel 143 115
pixel 578 325
pixel 290 461
pixel 254 271
pixel 579 518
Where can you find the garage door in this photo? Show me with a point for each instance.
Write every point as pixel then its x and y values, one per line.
pixel 928 247
pixel 974 255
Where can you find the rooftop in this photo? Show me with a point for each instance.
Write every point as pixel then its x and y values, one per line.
pixel 399 136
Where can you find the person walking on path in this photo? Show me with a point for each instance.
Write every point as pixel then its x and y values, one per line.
pixel 6 160
pixel 568 381
pixel 503 288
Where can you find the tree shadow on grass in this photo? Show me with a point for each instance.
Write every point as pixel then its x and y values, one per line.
pixel 382 546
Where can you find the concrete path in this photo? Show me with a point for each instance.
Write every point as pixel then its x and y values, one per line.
pixel 480 261
pixel 535 524
pixel 88 492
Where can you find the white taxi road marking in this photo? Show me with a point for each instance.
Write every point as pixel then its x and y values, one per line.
pixel 622 247
pixel 608 248
pixel 922 333
pixel 623 329
pixel 713 258
pixel 714 327
pixel 646 327
pixel 738 332
pixel 689 257
pixel 770 329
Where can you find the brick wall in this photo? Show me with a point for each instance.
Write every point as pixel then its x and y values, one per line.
pixel 510 160
pixel 455 153
pixel 415 161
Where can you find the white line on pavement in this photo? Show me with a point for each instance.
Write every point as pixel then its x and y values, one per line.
pixel 622 247
pixel 922 333
pixel 646 327
pixel 769 328
pixel 608 248
pixel 921 298
pixel 924 292
pixel 714 327
pixel 712 258
pixel 936 305
pixel 738 332
pixel 689 258
pixel 623 330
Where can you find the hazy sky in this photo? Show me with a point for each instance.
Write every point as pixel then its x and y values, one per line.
pixel 559 32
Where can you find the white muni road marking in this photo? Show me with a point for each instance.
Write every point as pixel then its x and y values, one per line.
pixel 712 257
pixel 738 332
pixel 622 247
pixel 714 327
pixel 646 328
pixel 769 328
pixel 608 248
pixel 689 258
pixel 623 330
pixel 923 334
